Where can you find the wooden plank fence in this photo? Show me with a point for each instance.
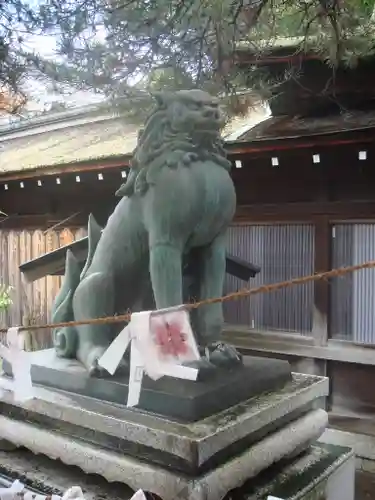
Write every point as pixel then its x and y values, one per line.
pixel 31 301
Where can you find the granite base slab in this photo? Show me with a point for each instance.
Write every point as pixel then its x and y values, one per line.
pixel 323 472
pixel 168 484
pixel 191 448
pixel 182 400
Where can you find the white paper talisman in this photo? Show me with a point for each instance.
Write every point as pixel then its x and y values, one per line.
pixel 17 491
pixel 14 353
pixel 161 341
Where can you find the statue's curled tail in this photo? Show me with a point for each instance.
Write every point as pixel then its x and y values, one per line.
pixel 65 338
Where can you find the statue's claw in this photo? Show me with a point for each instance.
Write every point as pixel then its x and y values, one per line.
pixel 215 356
pixel 95 370
pixel 90 356
pixel 223 355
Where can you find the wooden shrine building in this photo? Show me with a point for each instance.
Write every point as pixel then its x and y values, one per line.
pixel 305 184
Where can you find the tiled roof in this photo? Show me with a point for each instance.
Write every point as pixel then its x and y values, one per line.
pixel 289 127
pixel 80 138
pixel 86 141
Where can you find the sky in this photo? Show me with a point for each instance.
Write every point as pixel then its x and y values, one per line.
pixel 46 46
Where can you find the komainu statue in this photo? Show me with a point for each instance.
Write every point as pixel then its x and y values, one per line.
pixel 175 209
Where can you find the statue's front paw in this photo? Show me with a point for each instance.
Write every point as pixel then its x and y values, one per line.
pixel 215 356
pixel 223 355
pixel 204 367
pixel 95 370
pixel 90 356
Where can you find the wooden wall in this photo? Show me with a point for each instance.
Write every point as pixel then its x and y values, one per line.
pixel 340 176
pixel 59 197
pixel 31 302
pixel 337 198
pixel 339 188
pixel 264 192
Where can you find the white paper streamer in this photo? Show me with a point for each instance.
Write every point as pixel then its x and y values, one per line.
pixel 11 492
pixel 16 492
pixel 113 355
pixel 21 386
pixel 138 495
pixel 73 493
pixel 146 355
pixel 137 369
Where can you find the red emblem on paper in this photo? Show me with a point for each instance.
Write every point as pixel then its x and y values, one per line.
pixel 170 339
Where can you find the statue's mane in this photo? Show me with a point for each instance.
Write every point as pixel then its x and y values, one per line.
pixel 160 146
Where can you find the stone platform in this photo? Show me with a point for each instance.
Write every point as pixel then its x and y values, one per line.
pixel 323 472
pixel 199 460
pixel 182 400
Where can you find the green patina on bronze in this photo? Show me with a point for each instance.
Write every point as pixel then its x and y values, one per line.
pixel 176 205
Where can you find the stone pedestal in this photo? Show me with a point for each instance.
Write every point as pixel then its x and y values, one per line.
pixel 323 472
pixel 177 399
pixel 320 473
pixel 199 460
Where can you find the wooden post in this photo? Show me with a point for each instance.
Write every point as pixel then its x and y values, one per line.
pixel 321 287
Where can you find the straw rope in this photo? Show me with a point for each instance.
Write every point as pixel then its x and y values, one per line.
pixel 247 292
